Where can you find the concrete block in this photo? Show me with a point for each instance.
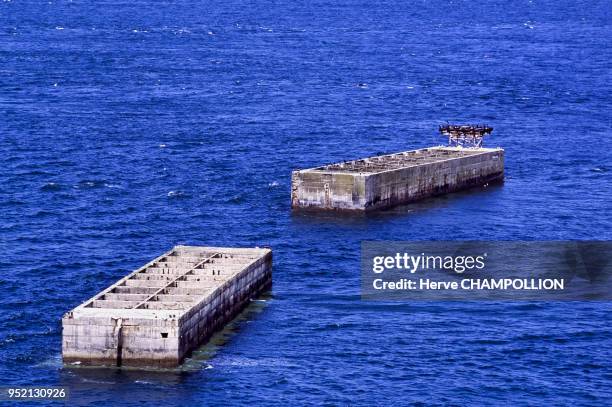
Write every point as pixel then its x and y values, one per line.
pixel 389 180
pixel 159 313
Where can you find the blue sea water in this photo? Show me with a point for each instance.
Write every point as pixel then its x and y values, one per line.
pixel 130 126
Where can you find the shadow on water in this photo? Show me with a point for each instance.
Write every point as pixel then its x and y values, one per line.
pixel 441 201
pixel 200 356
pixel 355 218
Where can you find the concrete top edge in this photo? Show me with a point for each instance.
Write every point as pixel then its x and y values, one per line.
pixel 471 150
pixel 110 313
pixel 225 249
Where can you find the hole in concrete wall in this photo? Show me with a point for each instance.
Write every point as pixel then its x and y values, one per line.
pixel 164 334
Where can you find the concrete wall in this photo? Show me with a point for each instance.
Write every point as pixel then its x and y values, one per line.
pixel 327 190
pixel 97 341
pixel 355 191
pixel 387 189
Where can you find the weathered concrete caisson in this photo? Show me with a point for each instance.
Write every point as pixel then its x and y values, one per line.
pixel 158 314
pixel 388 180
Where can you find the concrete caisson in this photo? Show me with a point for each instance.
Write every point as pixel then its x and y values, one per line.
pixel 389 180
pixel 159 313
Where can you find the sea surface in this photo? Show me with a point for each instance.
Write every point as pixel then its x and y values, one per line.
pixel 128 127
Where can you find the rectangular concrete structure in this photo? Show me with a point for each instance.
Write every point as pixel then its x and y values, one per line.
pixel 159 313
pixel 394 179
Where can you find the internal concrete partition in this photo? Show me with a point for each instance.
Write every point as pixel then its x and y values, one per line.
pixel 159 313
pixel 388 180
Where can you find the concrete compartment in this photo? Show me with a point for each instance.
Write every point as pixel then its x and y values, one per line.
pixel 159 313
pixel 388 180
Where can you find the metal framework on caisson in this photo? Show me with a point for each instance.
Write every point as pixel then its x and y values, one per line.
pixel 465 135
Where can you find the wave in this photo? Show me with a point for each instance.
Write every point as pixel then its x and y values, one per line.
pixel 51 186
pixel 177 194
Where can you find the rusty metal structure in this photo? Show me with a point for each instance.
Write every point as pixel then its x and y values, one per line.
pixel 465 135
